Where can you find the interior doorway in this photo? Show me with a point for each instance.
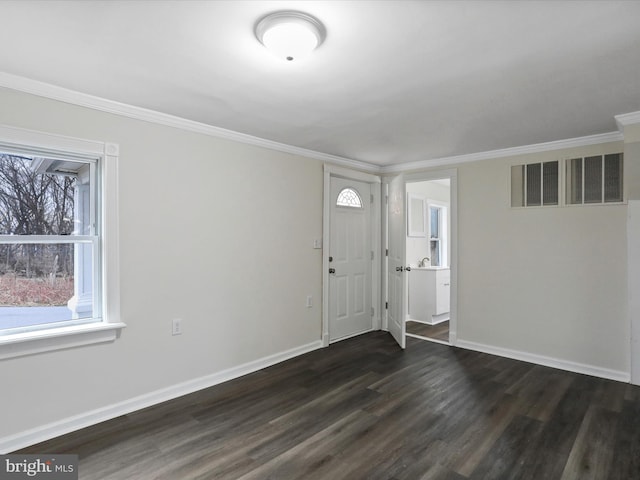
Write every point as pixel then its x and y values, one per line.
pixel 429 254
pixel 390 265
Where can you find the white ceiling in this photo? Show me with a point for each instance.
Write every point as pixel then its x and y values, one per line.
pixel 394 82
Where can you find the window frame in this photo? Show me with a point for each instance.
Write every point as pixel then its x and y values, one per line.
pixel 359 205
pixel 560 185
pixel 48 338
pixel 562 182
pixel 602 180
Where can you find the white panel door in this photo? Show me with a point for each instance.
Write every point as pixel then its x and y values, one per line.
pixel 350 264
pixel 396 275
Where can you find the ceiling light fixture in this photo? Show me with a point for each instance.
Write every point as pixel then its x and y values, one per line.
pixel 290 35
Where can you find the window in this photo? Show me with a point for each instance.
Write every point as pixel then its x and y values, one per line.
pixel 437 240
pixel 348 197
pixel 49 257
pixel 594 180
pixel 535 184
pixel 58 242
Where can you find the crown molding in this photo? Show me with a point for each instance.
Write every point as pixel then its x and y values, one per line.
pixel 506 152
pixel 54 92
pixel 626 119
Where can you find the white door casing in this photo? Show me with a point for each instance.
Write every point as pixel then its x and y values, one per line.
pixel 350 258
pixel 396 273
pixel 633 285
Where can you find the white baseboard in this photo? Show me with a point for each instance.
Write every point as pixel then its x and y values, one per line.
pixel 409 319
pixel 438 319
pixel 586 369
pixel 67 425
pixel 351 335
pixel 427 339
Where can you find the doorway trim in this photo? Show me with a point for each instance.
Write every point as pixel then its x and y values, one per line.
pixel 633 284
pixel 376 242
pixel 452 175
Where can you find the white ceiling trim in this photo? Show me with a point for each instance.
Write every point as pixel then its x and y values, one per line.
pixel 54 92
pixel 507 152
pixel 626 119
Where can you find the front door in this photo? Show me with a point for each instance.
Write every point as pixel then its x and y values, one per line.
pixel 396 273
pixel 350 259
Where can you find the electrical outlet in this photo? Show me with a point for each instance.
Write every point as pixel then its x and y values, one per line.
pixel 309 301
pixel 176 326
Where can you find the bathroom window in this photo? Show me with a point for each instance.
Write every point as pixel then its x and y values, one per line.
pixel 535 184
pixel 594 180
pixel 437 242
pixel 348 197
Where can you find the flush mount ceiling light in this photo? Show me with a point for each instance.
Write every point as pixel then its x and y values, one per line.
pixel 290 35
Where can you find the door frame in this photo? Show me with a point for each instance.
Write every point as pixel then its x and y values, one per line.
pixel 376 243
pixel 452 175
pixel 633 284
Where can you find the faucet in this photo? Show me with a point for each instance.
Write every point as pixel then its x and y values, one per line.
pixel 423 262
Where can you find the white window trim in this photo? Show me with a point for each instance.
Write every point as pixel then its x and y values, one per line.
pixel 108 329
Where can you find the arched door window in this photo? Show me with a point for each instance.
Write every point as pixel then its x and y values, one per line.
pixel 348 197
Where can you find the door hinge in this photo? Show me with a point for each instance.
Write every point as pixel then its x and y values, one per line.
pixel 386 199
pixel 371 196
pixel 386 252
pixel 372 257
pixel 373 312
pixel 386 305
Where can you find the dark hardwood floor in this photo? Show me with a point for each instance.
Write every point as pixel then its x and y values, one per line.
pixel 364 409
pixel 436 332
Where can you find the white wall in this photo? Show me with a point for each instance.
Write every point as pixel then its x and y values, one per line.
pixel 217 233
pixel 545 281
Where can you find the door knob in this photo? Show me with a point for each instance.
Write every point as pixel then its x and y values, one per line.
pixel 399 269
pixel 408 269
pixel 332 270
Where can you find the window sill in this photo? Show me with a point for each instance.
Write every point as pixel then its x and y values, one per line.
pixel 30 343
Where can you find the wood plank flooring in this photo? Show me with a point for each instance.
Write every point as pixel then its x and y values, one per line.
pixel 364 409
pixel 439 331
